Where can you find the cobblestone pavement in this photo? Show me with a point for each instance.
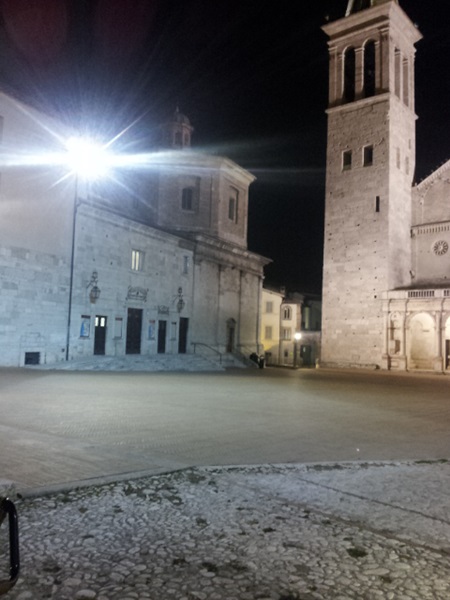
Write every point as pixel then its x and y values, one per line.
pixel 274 532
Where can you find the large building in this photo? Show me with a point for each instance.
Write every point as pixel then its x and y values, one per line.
pixel 148 264
pixel 386 277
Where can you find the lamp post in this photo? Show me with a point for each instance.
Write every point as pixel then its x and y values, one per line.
pixel 86 161
pixel 297 338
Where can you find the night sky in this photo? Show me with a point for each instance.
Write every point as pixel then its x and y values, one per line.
pixel 251 75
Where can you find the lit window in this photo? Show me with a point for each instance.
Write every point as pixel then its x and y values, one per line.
pixel 347 160
pixel 268 332
pixel 368 156
pixel 137 260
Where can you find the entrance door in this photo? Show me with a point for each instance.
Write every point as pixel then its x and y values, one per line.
pixel 231 328
pixel 162 327
pixel 100 335
pixel 134 329
pixel 182 335
pixel 305 353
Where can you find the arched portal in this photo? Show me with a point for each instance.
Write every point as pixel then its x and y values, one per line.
pixel 421 342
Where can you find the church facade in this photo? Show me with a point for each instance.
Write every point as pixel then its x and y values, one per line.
pixel 153 266
pixel 386 275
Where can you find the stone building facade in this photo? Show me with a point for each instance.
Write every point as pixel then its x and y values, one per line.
pixel 282 317
pixel 150 267
pixel 385 291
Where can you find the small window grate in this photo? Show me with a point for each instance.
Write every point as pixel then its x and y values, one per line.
pixel 32 358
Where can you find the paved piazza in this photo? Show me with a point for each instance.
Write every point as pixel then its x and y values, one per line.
pixel 339 489
pixel 58 427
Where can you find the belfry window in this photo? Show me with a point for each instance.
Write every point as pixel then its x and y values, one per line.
pixel 406 81
pixel 397 65
pixel 369 69
pixel 349 75
pixel 233 205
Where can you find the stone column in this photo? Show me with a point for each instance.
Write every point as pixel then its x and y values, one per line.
pixel 438 366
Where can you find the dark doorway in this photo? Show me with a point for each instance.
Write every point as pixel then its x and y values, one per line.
pixel 182 335
pixel 100 335
pixel 306 354
pixel 134 329
pixel 231 328
pixel 447 354
pixel 162 327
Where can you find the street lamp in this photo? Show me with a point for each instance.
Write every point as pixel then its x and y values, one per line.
pixel 86 160
pixel 297 338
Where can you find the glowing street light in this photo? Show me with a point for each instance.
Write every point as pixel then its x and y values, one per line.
pixel 88 161
pixel 297 338
pixel 87 158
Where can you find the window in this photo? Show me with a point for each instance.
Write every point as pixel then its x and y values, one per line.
pixel 269 307
pixel 397 67
pixel 398 158
pixel 118 328
pixel 377 204
pixel 187 199
pixel 346 160
pixel 268 332
pixel 137 260
pixel 233 205
pixel 100 321
pixel 368 156
pixel 185 265
pixel 286 333
pixel 369 69
pixel 287 313
pixel 349 75
pixel 406 81
pixel 85 326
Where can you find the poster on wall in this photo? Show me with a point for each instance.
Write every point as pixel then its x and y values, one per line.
pixel 85 326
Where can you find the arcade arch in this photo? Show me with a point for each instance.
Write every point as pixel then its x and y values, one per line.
pixel 421 336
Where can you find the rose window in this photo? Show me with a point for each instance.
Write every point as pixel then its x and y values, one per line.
pixel 440 247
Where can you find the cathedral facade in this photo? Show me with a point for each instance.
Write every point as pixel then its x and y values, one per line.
pixel 152 266
pixel 386 276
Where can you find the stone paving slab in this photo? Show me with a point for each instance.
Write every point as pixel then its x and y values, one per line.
pixel 269 532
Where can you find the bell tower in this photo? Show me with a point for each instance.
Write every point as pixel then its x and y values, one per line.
pixel 369 175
